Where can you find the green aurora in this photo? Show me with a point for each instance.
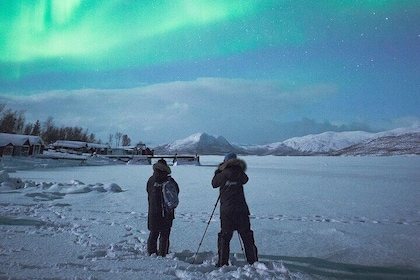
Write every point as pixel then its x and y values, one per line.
pixel 75 35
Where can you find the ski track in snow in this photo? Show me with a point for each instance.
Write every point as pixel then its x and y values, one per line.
pixel 313 219
pixel 47 218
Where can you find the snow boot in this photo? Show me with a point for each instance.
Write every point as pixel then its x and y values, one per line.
pixel 164 243
pixel 223 242
pixel 251 251
pixel 152 242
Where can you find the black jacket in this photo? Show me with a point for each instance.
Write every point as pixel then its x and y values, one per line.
pixel 230 178
pixel 158 219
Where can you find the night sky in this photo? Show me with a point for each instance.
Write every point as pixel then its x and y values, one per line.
pixel 254 72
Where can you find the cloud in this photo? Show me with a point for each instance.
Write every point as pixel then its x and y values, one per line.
pixel 307 126
pixel 235 108
pixel 407 121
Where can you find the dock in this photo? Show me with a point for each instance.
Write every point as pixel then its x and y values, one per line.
pixel 177 159
pixel 149 159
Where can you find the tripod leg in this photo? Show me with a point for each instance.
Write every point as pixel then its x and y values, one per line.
pixel 208 223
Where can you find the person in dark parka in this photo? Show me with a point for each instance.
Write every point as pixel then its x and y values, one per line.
pixel 159 221
pixel 230 177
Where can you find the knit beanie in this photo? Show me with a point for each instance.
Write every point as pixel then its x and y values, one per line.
pixel 229 156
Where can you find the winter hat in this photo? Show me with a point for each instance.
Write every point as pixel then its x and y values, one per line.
pixel 162 166
pixel 229 156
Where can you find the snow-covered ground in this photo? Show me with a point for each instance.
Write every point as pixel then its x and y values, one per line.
pixel 313 218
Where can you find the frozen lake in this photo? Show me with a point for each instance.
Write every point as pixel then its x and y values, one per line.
pixel 305 211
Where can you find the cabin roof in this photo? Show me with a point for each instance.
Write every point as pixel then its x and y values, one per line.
pixel 19 140
pixel 78 144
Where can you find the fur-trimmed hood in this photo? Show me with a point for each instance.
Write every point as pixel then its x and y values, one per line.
pixel 161 166
pixel 233 162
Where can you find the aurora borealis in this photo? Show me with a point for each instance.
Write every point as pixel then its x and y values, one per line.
pixel 252 71
pixel 71 36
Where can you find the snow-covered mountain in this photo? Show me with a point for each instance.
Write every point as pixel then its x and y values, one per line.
pixel 275 149
pixel 402 144
pixel 327 141
pixel 199 143
pixel 394 142
pixel 337 143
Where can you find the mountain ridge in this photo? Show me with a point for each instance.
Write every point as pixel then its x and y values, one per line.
pixel 401 141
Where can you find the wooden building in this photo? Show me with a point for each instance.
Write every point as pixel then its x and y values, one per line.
pixel 20 145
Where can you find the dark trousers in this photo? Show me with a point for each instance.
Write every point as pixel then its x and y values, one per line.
pixel 241 223
pixel 152 241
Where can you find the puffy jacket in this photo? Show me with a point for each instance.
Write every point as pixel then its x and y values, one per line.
pixel 158 219
pixel 230 178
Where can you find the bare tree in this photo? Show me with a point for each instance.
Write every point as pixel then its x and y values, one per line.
pixel 14 122
pixel 20 122
pixel 49 132
pixel 126 141
pixel 7 122
pixel 91 138
pixel 118 136
pixel 110 139
pixel 36 130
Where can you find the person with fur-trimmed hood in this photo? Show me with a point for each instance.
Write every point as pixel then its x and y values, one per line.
pixel 230 177
pixel 159 221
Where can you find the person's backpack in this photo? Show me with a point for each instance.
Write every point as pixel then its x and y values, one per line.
pixel 170 195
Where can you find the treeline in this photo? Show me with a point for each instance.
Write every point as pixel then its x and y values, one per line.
pixel 14 122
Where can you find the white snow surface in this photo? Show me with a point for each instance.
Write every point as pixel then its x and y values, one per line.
pixel 313 218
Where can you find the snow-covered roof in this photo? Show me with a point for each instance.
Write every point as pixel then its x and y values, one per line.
pixel 98 146
pixel 19 140
pixel 124 148
pixel 77 144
